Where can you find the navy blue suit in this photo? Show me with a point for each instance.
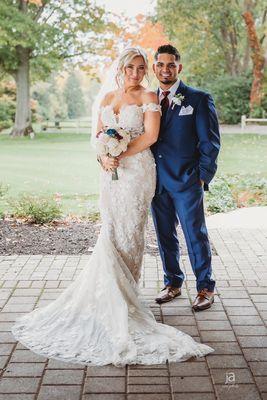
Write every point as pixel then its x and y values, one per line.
pixel 186 151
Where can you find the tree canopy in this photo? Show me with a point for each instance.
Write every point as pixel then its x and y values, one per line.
pixel 35 35
pixel 51 30
pixel 211 35
pixel 219 38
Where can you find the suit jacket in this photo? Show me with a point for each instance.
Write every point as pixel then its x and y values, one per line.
pixel 189 142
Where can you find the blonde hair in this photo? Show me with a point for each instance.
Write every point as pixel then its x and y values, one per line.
pixel 125 58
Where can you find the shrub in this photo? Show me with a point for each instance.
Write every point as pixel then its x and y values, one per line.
pixel 231 96
pixel 219 198
pixel 234 191
pixel 39 210
pixel 7 103
pixel 261 111
pixel 7 112
pixel 94 216
pixel 248 190
pixel 3 189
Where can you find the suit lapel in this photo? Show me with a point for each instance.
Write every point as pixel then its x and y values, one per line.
pixel 176 109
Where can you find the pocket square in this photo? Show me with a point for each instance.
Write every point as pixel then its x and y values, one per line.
pixel 186 110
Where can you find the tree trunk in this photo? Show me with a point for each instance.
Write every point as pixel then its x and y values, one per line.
pixel 246 57
pixel 22 126
pixel 257 59
pixel 229 45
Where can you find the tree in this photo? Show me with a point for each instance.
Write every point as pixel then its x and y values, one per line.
pixel 36 35
pixel 257 55
pixel 211 35
pixel 50 100
pixel 74 97
pixel 207 33
pixel 147 34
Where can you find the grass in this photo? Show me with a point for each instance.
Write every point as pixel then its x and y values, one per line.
pixel 66 164
pixel 51 164
pixel 243 154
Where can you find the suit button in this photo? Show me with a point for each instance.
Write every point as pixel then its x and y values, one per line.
pixel 160 156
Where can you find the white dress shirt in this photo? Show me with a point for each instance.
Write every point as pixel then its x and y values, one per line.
pixel 172 91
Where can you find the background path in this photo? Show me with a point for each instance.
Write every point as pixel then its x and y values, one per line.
pixel 249 128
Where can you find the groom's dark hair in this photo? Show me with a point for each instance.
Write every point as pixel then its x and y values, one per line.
pixel 169 49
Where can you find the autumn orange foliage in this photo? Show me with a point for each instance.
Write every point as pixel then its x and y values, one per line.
pixel 36 2
pixel 149 35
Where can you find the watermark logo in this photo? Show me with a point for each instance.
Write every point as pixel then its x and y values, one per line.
pixel 230 379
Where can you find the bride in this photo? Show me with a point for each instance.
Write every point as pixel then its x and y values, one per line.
pixel 100 318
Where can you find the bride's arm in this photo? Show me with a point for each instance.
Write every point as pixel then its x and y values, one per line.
pixel 151 129
pixel 106 162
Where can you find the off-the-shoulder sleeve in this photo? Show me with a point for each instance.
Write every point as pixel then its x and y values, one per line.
pixel 151 107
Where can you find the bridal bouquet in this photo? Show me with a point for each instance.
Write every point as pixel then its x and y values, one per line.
pixel 112 142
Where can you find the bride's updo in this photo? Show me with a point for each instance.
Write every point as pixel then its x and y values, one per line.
pixel 125 58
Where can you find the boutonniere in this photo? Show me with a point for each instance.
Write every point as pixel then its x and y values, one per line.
pixel 177 100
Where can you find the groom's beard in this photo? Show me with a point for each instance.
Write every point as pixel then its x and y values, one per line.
pixel 168 82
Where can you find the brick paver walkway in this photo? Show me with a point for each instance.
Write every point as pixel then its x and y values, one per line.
pixel 235 326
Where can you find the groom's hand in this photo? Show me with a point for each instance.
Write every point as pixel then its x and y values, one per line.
pixel 201 182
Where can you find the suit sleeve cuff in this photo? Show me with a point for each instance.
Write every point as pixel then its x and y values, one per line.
pixel 205 176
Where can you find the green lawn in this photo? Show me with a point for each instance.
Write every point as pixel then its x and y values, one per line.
pixel 49 164
pixel 243 154
pixel 65 163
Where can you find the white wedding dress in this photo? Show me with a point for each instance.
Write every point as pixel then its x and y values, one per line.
pixel 100 318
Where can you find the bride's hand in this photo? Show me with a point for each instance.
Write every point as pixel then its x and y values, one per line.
pixel 110 163
pixel 121 156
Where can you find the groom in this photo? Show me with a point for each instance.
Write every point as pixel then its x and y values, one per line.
pixel 185 154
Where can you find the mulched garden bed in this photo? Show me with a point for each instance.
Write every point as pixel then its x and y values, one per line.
pixel 62 237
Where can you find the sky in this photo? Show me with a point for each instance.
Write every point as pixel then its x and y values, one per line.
pixel 129 8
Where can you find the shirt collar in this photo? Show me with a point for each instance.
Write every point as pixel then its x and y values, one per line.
pixel 172 89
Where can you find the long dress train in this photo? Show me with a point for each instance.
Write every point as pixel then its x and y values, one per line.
pixel 100 318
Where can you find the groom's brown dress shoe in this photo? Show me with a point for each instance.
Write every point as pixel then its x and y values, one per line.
pixel 203 300
pixel 167 294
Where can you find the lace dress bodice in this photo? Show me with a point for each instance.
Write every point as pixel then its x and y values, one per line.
pixel 130 117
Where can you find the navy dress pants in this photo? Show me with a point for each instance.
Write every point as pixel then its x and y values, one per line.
pixel 184 207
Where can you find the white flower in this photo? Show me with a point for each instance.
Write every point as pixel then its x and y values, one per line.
pixel 103 138
pixel 177 100
pixel 112 143
pixel 101 148
pixel 113 146
pixel 116 152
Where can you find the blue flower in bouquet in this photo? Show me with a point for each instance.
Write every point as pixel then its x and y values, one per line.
pixel 113 133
